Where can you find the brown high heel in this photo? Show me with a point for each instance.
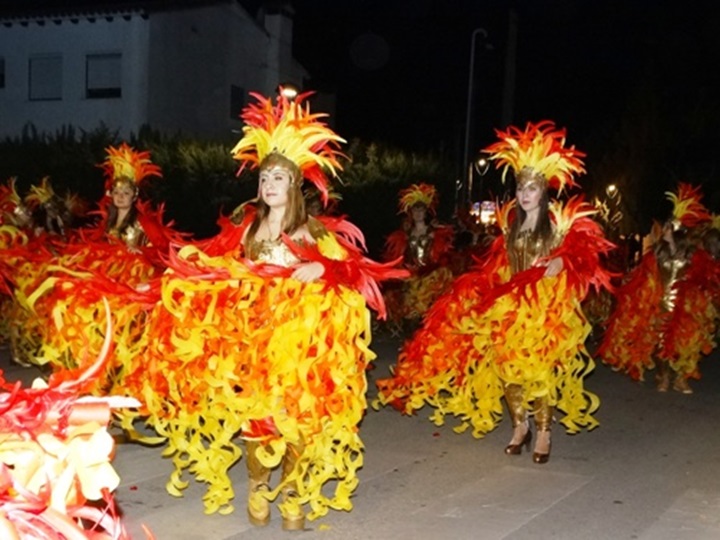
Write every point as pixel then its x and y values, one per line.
pixel 539 458
pixel 516 449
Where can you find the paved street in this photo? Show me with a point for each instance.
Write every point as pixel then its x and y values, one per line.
pixel 651 471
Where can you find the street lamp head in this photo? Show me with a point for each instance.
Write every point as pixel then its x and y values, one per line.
pixel 611 190
pixel 288 91
pixel 481 165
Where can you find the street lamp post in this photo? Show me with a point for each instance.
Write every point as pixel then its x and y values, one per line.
pixel 466 150
pixel 480 166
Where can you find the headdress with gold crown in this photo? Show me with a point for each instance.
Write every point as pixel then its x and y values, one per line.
pixel 418 193
pixel 688 211
pixel 127 164
pixel 291 130
pixel 539 150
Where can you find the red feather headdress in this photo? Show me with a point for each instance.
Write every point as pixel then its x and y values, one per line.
pixel 687 209
pixel 127 164
pixel 541 149
pixel 418 193
pixel 290 129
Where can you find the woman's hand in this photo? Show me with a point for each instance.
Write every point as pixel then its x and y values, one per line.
pixel 553 267
pixel 307 272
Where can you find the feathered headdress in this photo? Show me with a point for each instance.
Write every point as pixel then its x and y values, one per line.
pixel 687 209
pixel 41 194
pixel 418 193
pixel 9 197
pixel 290 129
pixel 541 150
pixel 125 163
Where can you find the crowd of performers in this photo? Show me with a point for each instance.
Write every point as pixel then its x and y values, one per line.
pixel 254 344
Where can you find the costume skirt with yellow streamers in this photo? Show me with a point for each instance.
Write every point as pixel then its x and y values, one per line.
pixel 422 290
pixel 640 331
pixel 633 330
pixel 59 317
pixel 460 363
pixel 231 354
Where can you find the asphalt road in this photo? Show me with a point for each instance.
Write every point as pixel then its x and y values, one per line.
pixel 651 471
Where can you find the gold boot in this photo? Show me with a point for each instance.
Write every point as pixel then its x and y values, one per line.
pixel 543 424
pixel 681 384
pixel 258 507
pixel 514 399
pixel 293 517
pixel 662 379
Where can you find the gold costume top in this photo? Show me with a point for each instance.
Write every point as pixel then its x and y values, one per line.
pixel 133 235
pixel 528 248
pixel 272 252
pixel 671 270
pixel 418 249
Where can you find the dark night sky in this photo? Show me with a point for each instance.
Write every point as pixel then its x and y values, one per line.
pixel 400 67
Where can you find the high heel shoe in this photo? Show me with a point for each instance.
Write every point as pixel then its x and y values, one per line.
pixel 516 449
pixel 542 458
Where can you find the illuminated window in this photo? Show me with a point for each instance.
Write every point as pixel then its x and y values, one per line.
pixel 45 78
pixel 103 76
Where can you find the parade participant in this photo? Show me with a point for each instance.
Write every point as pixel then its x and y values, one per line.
pixel 664 316
pixel 269 326
pixel 58 300
pixel 50 214
pixel 425 246
pixel 513 327
pixel 125 168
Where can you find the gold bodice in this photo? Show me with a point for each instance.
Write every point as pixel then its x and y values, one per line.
pixel 527 249
pixel 671 269
pixel 133 235
pixel 272 252
pixel 418 249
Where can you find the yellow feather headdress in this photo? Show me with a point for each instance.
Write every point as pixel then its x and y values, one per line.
pixel 688 211
pixel 290 129
pixel 418 193
pixel 41 194
pixel 541 149
pixel 126 163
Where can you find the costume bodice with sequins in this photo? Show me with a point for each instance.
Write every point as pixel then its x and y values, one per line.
pixel 133 235
pixel 418 249
pixel 272 252
pixel 671 271
pixel 527 249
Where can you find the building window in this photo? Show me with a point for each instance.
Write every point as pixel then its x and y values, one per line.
pixel 2 72
pixel 102 76
pixel 45 78
pixel 237 101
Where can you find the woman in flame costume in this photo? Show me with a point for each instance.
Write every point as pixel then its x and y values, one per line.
pixel 425 247
pixel 666 313
pixel 125 168
pixel 59 297
pixel 263 332
pixel 512 326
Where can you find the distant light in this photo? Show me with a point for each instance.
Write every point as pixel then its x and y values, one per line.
pixel 481 165
pixel 288 91
pixel 611 190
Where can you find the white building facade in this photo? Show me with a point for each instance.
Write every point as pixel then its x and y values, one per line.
pixel 184 68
